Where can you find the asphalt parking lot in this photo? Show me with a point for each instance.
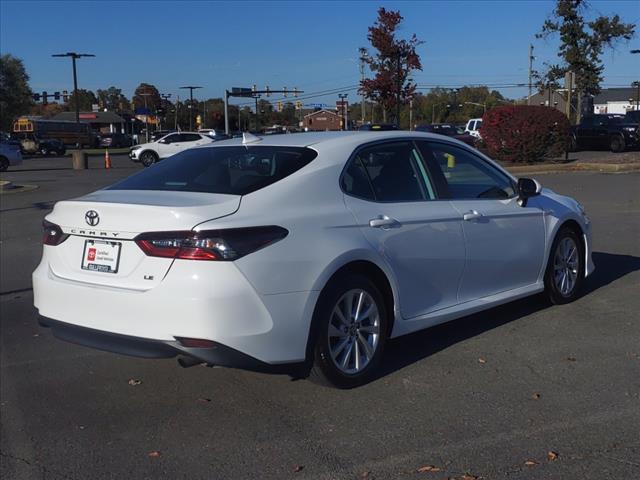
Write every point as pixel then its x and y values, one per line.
pixel 487 396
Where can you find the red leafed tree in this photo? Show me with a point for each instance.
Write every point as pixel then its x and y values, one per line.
pixel 391 65
pixel 524 133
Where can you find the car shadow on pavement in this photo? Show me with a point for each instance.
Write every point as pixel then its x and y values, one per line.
pixel 412 348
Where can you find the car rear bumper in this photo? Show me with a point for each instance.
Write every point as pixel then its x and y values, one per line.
pixel 195 300
pixel 216 355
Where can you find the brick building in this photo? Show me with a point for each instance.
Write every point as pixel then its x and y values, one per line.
pixel 322 120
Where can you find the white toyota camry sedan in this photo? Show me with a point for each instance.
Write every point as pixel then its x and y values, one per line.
pixel 303 253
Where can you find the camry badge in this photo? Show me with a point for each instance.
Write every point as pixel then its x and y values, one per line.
pixel 92 218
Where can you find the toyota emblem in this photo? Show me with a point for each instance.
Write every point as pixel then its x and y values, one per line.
pixel 92 218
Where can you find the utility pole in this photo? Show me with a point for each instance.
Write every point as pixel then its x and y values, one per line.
pixel 399 89
pixel 568 85
pixel 226 113
pixel 175 119
pixel 411 114
pixel 74 56
pixel 531 57
pixel 637 85
pixel 191 89
pixel 363 59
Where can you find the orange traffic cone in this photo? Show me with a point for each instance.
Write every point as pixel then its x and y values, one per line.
pixel 107 160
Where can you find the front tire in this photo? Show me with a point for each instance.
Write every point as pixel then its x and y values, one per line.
pixel 148 158
pixel 351 322
pixel 617 144
pixel 565 270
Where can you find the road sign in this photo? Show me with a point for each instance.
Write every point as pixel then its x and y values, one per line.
pixel 241 92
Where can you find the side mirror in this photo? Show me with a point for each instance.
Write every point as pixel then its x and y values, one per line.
pixel 527 188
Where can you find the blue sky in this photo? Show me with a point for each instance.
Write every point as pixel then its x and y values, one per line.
pixel 312 45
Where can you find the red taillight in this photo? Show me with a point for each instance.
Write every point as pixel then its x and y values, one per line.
pixel 195 342
pixel 224 245
pixel 52 234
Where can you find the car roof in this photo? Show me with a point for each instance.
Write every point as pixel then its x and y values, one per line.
pixel 322 140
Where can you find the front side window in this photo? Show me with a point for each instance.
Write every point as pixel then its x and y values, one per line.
pixel 469 176
pixel 230 170
pixel 390 172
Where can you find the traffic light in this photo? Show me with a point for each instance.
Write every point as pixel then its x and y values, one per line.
pixel 284 91
pixel 161 111
pixel 56 95
pixel 279 106
pixel 65 96
pixel 298 105
pixel 295 92
pixel 268 94
pixel 36 97
pixel 44 98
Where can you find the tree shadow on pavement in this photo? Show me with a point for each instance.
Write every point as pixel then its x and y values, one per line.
pixel 412 348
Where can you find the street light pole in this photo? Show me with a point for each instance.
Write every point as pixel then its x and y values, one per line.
pixel 483 105
pixel 191 89
pixel 165 97
pixel 146 115
pixel 74 56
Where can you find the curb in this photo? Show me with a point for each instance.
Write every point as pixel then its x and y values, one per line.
pixel 574 167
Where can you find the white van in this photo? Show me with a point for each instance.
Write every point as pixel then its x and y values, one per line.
pixel 473 127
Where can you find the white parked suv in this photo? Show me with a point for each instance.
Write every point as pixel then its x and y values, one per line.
pixel 473 127
pixel 307 250
pixel 150 153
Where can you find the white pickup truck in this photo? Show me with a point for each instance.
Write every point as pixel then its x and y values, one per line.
pixel 473 127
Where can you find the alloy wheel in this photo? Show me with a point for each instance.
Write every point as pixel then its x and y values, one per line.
pixel 354 331
pixel 565 266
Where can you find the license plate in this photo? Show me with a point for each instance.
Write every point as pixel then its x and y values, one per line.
pixel 101 256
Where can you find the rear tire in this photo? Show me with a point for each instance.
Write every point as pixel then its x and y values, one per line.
pixel 148 158
pixel 4 164
pixel 564 276
pixel 617 144
pixel 351 324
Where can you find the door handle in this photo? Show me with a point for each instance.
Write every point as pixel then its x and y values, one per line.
pixel 384 222
pixel 471 215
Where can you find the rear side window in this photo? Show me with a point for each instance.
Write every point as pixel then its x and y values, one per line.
pixel 190 137
pixel 390 172
pixel 230 170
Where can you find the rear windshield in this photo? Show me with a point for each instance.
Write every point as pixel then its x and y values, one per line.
pixel 231 170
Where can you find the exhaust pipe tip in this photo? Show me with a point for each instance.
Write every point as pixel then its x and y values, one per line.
pixel 186 362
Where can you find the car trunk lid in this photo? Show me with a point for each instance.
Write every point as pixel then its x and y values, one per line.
pixel 100 249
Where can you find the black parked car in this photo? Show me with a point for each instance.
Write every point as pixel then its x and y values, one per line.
pixel 613 132
pixel 632 116
pixel 50 146
pixel 114 140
